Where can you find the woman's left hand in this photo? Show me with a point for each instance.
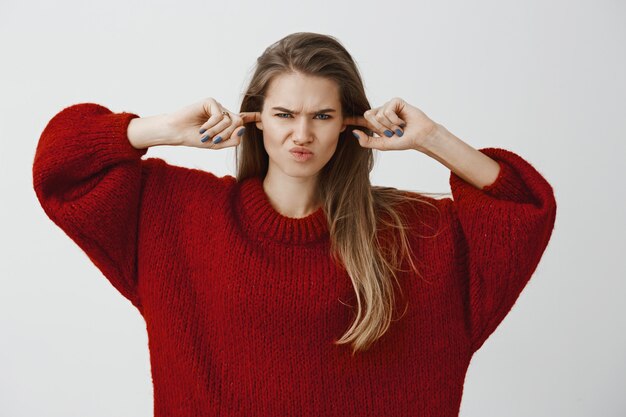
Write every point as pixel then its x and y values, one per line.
pixel 399 126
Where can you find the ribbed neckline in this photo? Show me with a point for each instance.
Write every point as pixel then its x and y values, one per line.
pixel 259 218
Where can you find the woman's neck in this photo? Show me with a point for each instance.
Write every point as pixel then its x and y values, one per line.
pixel 291 196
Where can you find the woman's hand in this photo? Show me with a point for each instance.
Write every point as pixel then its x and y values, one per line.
pixel 201 124
pixel 399 126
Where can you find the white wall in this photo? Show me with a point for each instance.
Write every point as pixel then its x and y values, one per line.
pixel 542 78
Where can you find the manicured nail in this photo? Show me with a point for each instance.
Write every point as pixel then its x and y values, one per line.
pixel 241 132
pixel 217 139
pixel 204 138
pixel 202 131
pixel 388 133
pixel 399 132
pixel 355 135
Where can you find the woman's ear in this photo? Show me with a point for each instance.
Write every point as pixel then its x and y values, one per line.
pixel 259 125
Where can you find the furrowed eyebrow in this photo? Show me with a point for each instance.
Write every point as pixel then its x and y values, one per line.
pixel 329 110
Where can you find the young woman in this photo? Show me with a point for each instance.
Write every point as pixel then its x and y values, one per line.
pixel 297 287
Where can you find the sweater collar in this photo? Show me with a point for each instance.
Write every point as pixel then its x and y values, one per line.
pixel 258 217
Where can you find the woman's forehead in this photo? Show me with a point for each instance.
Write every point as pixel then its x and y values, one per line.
pixel 303 93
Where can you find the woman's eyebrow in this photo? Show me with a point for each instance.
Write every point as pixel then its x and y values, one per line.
pixel 328 110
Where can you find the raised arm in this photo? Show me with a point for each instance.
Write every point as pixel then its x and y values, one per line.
pixel 503 210
pixel 91 180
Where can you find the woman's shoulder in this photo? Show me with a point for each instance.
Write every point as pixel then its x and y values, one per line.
pixel 162 174
pixel 424 212
pixel 166 168
pixel 423 203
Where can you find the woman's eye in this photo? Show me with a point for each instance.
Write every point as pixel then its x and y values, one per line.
pixel 326 116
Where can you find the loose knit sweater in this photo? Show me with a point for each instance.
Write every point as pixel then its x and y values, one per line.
pixel 242 304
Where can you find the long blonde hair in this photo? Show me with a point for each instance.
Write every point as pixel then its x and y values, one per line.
pixel 356 211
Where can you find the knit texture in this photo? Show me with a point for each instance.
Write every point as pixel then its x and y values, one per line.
pixel 242 304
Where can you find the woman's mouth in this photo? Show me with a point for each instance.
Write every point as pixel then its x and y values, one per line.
pixel 301 156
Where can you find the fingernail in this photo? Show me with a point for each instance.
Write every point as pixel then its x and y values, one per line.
pixel 217 139
pixel 204 138
pixel 241 132
pixel 355 135
pixel 202 131
pixel 399 132
pixel 388 133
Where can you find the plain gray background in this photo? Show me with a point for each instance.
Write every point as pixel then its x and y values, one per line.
pixel 544 79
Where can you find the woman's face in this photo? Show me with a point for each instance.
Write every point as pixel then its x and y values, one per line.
pixel 304 111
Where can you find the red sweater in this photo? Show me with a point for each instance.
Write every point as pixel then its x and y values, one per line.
pixel 242 304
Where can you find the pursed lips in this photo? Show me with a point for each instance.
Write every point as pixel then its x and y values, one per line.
pixel 300 150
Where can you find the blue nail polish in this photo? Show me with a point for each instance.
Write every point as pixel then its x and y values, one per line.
pixel 217 139
pixel 202 131
pixel 241 132
pixel 204 138
pixel 399 132
pixel 388 133
pixel 355 135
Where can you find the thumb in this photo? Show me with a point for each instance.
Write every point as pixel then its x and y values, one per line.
pixel 361 137
pixel 367 141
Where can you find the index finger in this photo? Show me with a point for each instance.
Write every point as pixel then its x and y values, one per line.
pixel 356 121
pixel 249 117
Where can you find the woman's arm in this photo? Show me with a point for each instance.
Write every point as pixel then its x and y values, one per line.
pixel 89 179
pixel 503 210
pixel 415 130
pixel 465 161
pixel 144 132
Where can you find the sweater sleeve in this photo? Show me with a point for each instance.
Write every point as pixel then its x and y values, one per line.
pixel 503 231
pixel 88 179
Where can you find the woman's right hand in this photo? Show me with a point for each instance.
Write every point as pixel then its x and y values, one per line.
pixel 204 120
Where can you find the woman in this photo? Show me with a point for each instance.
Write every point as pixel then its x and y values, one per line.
pixel 275 293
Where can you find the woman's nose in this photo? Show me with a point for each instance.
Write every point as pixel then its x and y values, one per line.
pixel 303 130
